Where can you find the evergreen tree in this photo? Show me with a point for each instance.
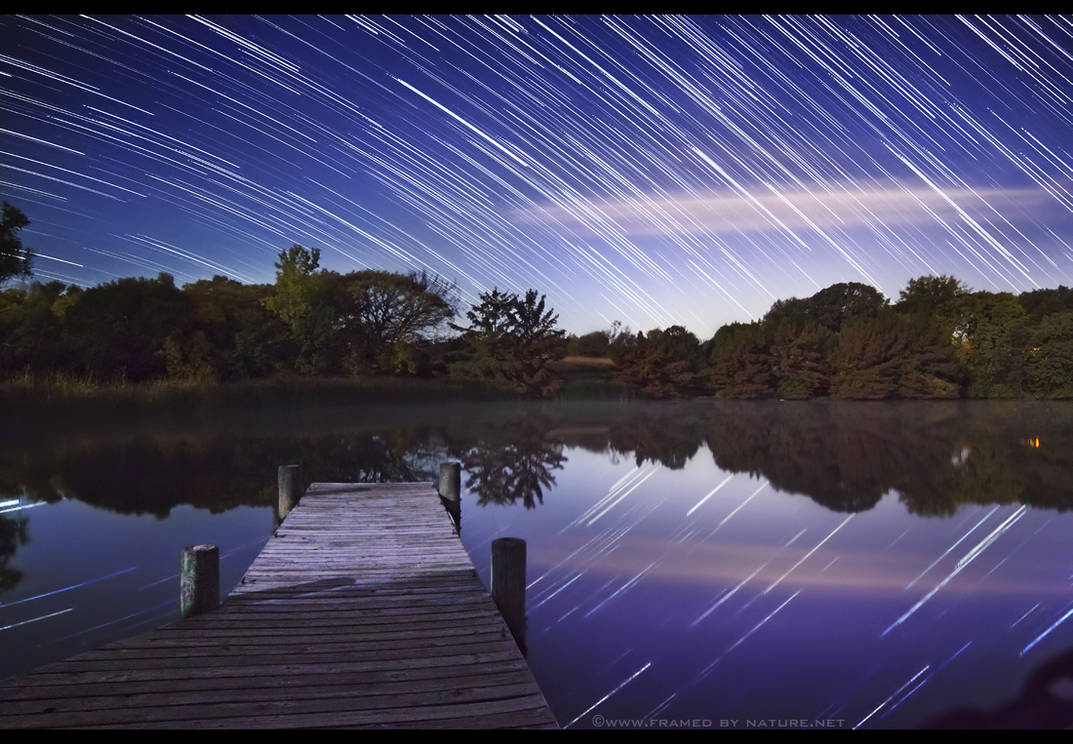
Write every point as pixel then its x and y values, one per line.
pixel 663 363
pixel 742 365
pixel 511 342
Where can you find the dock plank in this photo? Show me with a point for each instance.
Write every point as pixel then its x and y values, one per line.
pixel 363 611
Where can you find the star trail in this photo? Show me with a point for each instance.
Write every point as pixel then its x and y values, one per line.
pixel 656 170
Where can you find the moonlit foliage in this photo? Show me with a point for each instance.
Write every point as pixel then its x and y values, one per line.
pixel 657 170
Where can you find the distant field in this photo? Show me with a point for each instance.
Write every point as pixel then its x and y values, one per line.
pixel 567 364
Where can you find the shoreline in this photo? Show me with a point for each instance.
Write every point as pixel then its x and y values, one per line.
pixel 60 390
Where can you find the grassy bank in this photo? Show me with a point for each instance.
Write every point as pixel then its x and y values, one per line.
pixel 583 377
pixel 62 389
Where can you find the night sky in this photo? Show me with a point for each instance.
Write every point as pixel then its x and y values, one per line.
pixel 655 170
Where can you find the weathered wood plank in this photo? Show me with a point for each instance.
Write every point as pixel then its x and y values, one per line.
pixel 354 604
pixel 518 680
pixel 59 673
pixel 199 646
pixel 445 619
pixel 290 705
pixel 69 690
pixel 364 631
pixel 123 659
pixel 354 718
pixel 396 589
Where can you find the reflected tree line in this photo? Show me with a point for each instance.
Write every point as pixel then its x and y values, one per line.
pixel 1043 702
pixel 13 533
pixel 933 456
pixel 845 456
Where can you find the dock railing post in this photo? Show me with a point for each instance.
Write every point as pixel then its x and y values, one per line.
pixel 199 579
pixel 508 584
pixel 450 490
pixel 287 478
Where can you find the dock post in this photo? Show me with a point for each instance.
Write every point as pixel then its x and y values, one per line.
pixel 508 584
pixel 450 490
pixel 199 579
pixel 289 489
pixel 450 480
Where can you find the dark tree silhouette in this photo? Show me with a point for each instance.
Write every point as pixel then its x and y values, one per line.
pixel 741 363
pixel 380 318
pixel 663 363
pixel 118 330
pixel 511 342
pixel 14 258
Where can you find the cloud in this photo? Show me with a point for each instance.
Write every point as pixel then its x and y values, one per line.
pixel 729 212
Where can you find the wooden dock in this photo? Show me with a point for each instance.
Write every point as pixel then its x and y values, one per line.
pixel 362 611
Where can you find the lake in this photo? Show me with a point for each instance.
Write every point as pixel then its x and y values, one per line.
pixel 691 563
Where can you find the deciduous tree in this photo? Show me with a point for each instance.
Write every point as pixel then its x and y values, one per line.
pixel 14 258
pixel 381 318
pixel 299 302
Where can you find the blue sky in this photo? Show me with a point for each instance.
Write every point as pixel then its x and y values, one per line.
pixel 650 169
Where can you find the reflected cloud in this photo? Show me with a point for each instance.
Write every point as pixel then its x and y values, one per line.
pixel 722 561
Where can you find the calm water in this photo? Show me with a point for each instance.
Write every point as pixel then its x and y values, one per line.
pixel 872 565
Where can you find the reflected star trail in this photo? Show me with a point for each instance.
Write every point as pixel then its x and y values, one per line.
pixel 656 170
pixel 745 626
pixel 912 563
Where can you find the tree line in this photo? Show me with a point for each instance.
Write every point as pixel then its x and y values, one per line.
pixel 310 321
pixel 938 340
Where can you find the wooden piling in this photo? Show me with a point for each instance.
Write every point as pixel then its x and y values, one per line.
pixel 450 490
pixel 199 579
pixel 450 481
pixel 508 584
pixel 287 478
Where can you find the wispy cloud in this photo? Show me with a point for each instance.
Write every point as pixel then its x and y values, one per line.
pixel 763 209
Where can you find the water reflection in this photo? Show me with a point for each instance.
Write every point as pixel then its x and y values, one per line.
pixel 13 533
pixel 935 456
pixel 847 457
pixel 150 475
pixel 694 548
pixel 1043 703
pixel 513 462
